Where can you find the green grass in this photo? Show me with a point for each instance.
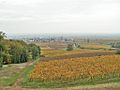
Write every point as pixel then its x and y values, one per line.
pixel 11 79
pixel 69 83
pixel 8 81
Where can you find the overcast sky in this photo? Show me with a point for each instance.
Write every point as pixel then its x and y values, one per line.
pixel 60 16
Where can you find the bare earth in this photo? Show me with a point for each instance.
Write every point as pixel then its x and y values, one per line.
pixel 111 86
pixel 77 55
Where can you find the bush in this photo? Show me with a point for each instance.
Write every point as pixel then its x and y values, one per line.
pixel 78 46
pixel 16 51
pixel 117 52
pixel 35 51
pixel 69 47
pixel 6 58
pixel 116 45
pixel 1 62
pixel 19 54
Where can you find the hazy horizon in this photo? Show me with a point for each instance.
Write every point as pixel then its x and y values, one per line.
pixel 65 35
pixel 63 16
pixel 69 33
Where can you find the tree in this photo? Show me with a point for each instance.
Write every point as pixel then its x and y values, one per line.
pixel 19 54
pixel 116 45
pixel 1 62
pixel 117 52
pixel 39 51
pixel 2 35
pixel 24 55
pixel 2 47
pixel 69 47
pixel 6 58
pixel 1 58
pixel 16 51
pixel 78 46
pixel 15 54
pixel 35 51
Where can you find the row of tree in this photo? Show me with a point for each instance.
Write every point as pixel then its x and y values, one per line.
pixel 116 45
pixel 17 51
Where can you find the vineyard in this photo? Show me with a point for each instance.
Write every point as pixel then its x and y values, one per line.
pixel 50 52
pixel 95 46
pixel 77 68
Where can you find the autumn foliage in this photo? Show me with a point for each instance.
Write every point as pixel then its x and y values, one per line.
pixel 76 68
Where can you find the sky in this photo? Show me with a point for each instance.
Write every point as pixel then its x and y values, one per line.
pixel 59 16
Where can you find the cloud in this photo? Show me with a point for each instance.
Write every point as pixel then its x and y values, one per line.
pixel 63 15
pixel 16 19
pixel 21 2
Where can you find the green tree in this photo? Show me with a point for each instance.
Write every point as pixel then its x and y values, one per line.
pixel 24 55
pixel 1 58
pixel 78 46
pixel 116 45
pixel 16 51
pixel 19 54
pixel 15 54
pixel 117 52
pixel 1 62
pixel 2 35
pixel 35 51
pixel 6 58
pixel 69 47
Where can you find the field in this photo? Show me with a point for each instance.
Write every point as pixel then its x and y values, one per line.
pixel 50 52
pixel 62 52
pixel 92 64
pixel 84 67
pixel 76 71
pixel 95 46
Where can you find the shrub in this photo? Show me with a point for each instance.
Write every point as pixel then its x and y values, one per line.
pixel 117 52
pixel 35 51
pixel 1 62
pixel 69 47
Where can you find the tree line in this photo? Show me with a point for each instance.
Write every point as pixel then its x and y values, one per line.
pixel 17 51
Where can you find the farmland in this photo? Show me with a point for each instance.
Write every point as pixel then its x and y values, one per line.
pixel 88 63
pixel 85 67
pixel 76 71
pixel 59 44
pixel 62 52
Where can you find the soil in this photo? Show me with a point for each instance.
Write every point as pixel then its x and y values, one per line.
pixel 76 56
pixel 110 86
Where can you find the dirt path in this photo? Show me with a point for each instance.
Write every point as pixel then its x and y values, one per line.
pixel 16 86
pixel 111 86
